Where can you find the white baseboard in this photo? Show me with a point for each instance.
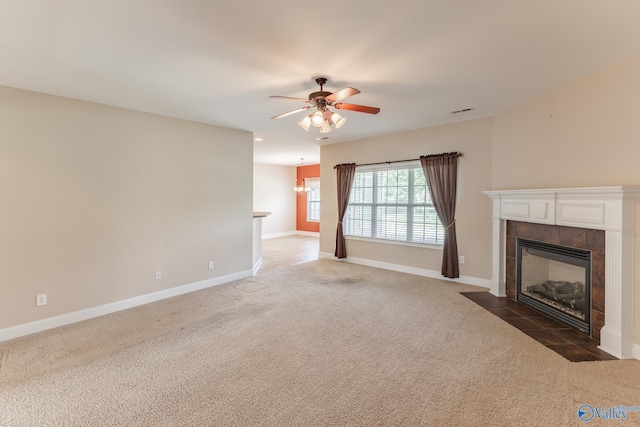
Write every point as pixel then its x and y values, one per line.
pixel 636 351
pixel 308 233
pixel 257 266
pixel 468 280
pixel 89 313
pixel 272 235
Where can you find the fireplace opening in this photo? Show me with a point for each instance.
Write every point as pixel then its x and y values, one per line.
pixel 556 281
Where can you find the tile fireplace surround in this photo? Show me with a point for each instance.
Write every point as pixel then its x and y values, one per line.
pixel 611 209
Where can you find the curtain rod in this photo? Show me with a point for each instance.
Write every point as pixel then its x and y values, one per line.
pixel 394 161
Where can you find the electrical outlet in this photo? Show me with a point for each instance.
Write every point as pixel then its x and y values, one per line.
pixel 41 300
pixel 210 265
pixel 158 275
pixel 461 259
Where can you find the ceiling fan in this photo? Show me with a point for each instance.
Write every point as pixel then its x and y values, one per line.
pixel 323 118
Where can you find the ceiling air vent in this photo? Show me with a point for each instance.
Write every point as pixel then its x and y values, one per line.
pixel 464 110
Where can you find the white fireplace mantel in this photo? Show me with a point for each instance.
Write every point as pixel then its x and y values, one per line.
pixel 611 209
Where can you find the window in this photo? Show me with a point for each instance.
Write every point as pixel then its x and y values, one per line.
pixel 392 203
pixel 313 199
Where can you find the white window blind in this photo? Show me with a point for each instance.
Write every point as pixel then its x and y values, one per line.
pixel 313 199
pixel 312 183
pixel 392 202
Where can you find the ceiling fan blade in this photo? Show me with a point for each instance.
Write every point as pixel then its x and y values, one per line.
pixel 355 107
pixel 279 116
pixel 342 94
pixel 290 97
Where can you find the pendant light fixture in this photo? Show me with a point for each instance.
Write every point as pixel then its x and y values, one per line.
pixel 301 190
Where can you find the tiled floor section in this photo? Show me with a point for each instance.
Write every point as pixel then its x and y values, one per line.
pixel 567 342
pixel 287 251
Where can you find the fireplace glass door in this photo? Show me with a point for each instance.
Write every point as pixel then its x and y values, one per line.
pixel 555 280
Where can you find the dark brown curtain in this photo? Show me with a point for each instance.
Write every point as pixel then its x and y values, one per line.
pixel 345 174
pixel 441 171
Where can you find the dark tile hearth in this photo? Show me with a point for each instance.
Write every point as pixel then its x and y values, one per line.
pixel 567 342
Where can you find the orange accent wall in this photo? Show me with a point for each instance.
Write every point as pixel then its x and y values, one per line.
pixel 311 171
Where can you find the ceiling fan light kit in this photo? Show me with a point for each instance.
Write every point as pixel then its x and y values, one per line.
pixel 305 123
pixel 317 119
pixel 338 120
pixel 325 128
pixel 324 118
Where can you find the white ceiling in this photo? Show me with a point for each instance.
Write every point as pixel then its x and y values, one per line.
pixel 217 62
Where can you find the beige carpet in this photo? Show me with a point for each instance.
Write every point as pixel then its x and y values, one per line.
pixel 321 343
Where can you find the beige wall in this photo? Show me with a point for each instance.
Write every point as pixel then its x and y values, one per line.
pixel 473 219
pixel 586 133
pixel 95 199
pixel 273 192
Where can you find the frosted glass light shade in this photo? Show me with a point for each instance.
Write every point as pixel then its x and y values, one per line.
pixel 305 123
pixel 317 119
pixel 325 128
pixel 338 120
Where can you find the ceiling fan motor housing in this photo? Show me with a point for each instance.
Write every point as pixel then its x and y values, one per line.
pixel 319 98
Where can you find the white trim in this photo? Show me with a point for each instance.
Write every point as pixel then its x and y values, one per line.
pixel 89 313
pixel 257 266
pixel 282 234
pixel 308 233
pixel 611 209
pixel 474 281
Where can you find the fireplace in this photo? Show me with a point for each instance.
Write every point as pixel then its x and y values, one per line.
pixel 556 281
pixel 566 250
pixel 609 210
